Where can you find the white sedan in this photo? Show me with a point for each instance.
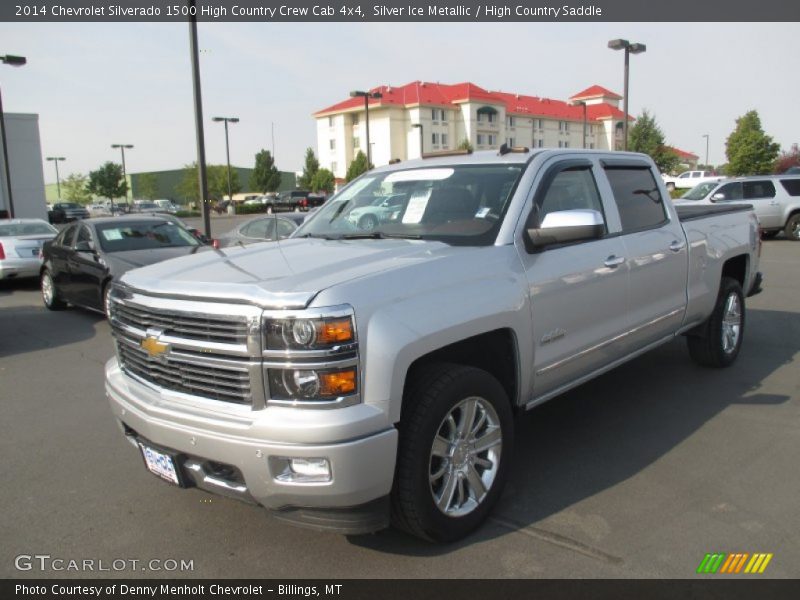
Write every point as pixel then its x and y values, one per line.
pixel 20 243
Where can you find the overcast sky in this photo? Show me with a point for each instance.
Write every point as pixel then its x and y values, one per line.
pixel 97 84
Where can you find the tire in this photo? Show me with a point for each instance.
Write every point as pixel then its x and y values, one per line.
pixel 270 210
pixel 442 492
pixel 792 229
pixel 718 342
pixel 367 222
pixel 50 295
pixel 670 187
pixel 768 235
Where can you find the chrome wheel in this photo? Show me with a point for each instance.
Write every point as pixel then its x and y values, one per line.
pixel 47 288
pixel 731 323
pixel 465 456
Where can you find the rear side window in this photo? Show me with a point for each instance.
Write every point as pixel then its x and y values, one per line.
pixel 758 189
pixel 637 196
pixel 792 186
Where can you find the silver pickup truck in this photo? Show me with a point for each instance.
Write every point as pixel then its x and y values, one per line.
pixel 351 378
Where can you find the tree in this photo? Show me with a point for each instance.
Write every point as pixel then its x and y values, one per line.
pixel 266 177
pixel 148 186
pixel 217 177
pixel 74 188
pixel 323 181
pixel 107 182
pixel 750 151
pixel 464 145
pixel 646 137
pixel 309 170
pixel 358 166
pixel 787 160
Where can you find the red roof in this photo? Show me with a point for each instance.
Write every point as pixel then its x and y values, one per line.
pixel 424 93
pixel 595 91
pixel 682 153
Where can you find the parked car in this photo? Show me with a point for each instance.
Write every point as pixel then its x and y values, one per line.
pixel 21 242
pixel 167 206
pixel 689 179
pixel 792 171
pixel 349 379
pixel 142 206
pixel 99 210
pixel 383 210
pixel 64 212
pixel 86 256
pixel 201 237
pixel 295 200
pixel 119 208
pixel 312 201
pixel 261 229
pixel 774 198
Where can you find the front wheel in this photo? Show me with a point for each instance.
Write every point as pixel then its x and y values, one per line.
pixel 456 439
pixel 671 187
pixel 50 296
pixel 367 223
pixel 792 230
pixel 720 340
pixel 270 210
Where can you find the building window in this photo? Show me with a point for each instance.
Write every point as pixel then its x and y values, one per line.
pixel 354 117
pixel 435 139
pixel 510 142
pixel 356 143
pixel 538 124
pixel 591 146
pixel 333 166
pixel 444 140
pixel 511 121
pixel 330 121
pixel 563 126
pixel 540 143
pixel 562 144
pixel 491 139
pixel 434 114
pixel 481 139
pixel 444 116
pixel 333 144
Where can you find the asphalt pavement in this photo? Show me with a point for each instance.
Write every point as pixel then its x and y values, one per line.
pixel 639 473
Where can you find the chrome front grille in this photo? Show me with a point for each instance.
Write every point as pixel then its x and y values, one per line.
pixel 200 348
pixel 220 329
pixel 186 374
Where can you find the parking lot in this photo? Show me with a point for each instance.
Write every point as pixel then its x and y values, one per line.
pixel 639 473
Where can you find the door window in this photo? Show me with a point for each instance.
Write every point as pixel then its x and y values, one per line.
pixel 571 189
pixel 83 236
pixel 758 189
pixel 637 196
pixel 730 191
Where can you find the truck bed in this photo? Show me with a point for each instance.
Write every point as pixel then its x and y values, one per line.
pixel 690 213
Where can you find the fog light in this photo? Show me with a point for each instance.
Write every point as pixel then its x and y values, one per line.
pixel 301 469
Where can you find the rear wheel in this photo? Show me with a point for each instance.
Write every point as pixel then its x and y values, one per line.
pixel 792 230
pixel 367 223
pixel 671 187
pixel 456 438
pixel 720 340
pixel 50 294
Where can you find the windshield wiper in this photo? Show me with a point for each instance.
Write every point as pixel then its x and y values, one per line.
pixel 316 236
pixel 379 235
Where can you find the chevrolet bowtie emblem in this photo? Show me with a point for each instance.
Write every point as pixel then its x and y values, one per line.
pixel 153 347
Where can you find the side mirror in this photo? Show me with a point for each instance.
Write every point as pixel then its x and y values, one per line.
pixel 84 247
pixel 565 226
pixel 717 197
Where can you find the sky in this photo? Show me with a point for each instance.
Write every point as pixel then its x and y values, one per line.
pixel 96 84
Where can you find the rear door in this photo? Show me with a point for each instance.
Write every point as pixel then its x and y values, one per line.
pixel 656 252
pixel 578 291
pixel 87 273
pixel 59 252
pixel 761 194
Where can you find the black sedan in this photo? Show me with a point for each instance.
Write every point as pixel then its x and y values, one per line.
pixel 81 261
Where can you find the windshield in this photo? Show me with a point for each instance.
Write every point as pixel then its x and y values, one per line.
pixel 699 192
pixel 17 229
pixel 462 204
pixel 146 235
pixel 69 205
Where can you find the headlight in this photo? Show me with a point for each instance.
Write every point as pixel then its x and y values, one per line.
pixel 311 384
pixel 309 334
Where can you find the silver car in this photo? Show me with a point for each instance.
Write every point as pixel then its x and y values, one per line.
pixel 20 243
pixel 774 198
pixel 261 229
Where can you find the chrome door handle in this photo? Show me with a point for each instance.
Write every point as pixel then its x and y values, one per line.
pixel 677 245
pixel 612 262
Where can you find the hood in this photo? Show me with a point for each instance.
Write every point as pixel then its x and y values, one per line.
pixel 122 262
pixel 281 275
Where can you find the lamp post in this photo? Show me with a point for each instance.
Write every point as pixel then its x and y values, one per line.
pixel 198 120
pixel 227 120
pixel 14 61
pixel 55 159
pixel 583 104
pixel 629 49
pixel 705 135
pixel 367 96
pixel 421 138
pixel 122 148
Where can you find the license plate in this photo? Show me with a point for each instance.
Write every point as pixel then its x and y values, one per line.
pixel 160 464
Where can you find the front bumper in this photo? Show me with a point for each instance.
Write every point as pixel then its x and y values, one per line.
pixel 234 451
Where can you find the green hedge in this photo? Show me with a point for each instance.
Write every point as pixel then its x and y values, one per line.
pixel 188 213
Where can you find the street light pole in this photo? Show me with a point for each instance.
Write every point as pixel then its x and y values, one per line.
pixel 629 49
pixel 226 120
pixel 14 61
pixel 421 138
pixel 583 104
pixel 198 121
pixel 367 96
pixel 122 148
pixel 705 135
pixel 55 159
